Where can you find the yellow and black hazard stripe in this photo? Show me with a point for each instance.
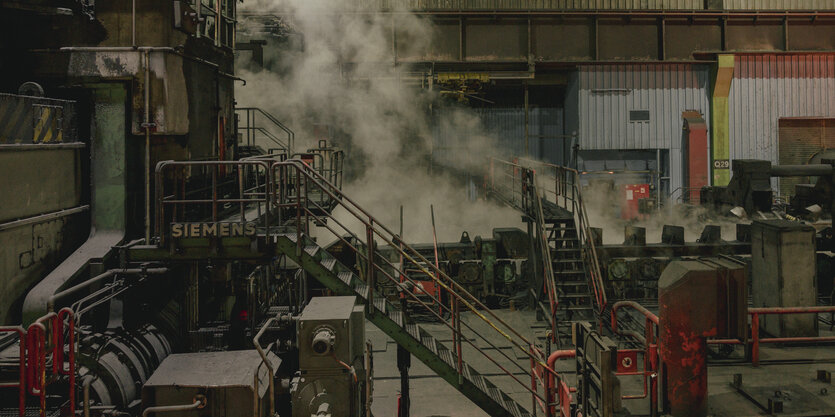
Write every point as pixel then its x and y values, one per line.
pixel 47 126
pixel 22 121
pixel 13 126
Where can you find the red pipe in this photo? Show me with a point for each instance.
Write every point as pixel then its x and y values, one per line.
pixel 755 327
pixel 791 310
pixel 21 384
pixel 551 382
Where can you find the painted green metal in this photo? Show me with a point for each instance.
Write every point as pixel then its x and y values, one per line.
pixel 330 279
pixel 195 249
pixel 108 157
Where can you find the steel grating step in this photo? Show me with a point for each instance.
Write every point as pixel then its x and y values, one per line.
pixel 501 403
pixel 446 356
pixel 413 331
pixel 346 277
pixel 396 316
pixel 329 263
pixel 362 290
pixel 429 342
pixel 380 304
pixel 291 236
pixel 576 294
pixel 311 250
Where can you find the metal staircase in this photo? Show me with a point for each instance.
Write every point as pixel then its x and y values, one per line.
pixel 550 197
pixel 388 317
pixel 288 201
pixel 570 274
pixel 475 330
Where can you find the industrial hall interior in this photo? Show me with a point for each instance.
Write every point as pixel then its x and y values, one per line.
pixel 417 208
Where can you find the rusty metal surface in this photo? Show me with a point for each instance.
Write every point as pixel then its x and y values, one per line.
pixel 25 119
pixel 686 322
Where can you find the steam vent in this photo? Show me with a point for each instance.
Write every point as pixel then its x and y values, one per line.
pixel 417 208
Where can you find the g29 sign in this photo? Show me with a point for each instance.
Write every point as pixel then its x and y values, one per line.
pixel 205 230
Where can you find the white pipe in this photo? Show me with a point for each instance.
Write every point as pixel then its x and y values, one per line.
pixel 199 402
pixel 133 24
pixel 147 126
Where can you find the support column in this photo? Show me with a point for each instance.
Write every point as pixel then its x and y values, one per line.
pixel 720 164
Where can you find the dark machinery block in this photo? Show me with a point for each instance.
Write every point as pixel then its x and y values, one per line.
pixel 330 327
pixel 749 188
pixel 234 383
pixel 331 338
pixel 672 235
pixel 512 242
pixel 634 236
pixel 783 271
pixel 711 234
pixel 686 321
pixel 743 232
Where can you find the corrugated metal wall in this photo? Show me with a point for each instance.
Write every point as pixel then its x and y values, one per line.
pixel 532 4
pixel 607 94
pixel 505 128
pixel 778 4
pixel 592 4
pixel 768 87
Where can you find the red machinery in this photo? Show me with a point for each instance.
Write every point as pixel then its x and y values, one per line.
pixel 695 156
pixel 631 196
pixel 686 321
pixel 45 342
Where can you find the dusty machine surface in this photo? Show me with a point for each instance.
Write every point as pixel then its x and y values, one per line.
pixel 343 208
pixel 224 383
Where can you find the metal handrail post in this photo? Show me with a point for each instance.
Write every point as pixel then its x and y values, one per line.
pixel 369 273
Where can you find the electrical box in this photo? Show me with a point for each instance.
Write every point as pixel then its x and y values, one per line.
pixel 330 329
pixel 783 271
pixel 234 383
pixel 332 377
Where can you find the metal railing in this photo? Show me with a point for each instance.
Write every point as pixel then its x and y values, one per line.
pixel 567 194
pixel 235 189
pixel 251 125
pixel 651 344
pixel 650 351
pixel 20 384
pixel 516 184
pixel 43 360
pixel 756 340
pixel 296 179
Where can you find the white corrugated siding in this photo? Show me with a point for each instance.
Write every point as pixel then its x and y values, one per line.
pixel 533 4
pixel 768 87
pixel 778 4
pixel 503 129
pixel 606 94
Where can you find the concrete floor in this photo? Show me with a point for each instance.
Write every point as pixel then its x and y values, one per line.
pixel 433 397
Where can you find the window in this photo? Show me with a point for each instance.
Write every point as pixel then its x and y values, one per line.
pixel 218 21
pixel 639 116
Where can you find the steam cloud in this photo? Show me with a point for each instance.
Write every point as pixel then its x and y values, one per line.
pixel 336 68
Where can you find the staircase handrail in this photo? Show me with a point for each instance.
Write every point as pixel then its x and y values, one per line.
pixel 266 133
pixel 291 136
pixel 567 194
pixel 429 271
pixel 547 262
